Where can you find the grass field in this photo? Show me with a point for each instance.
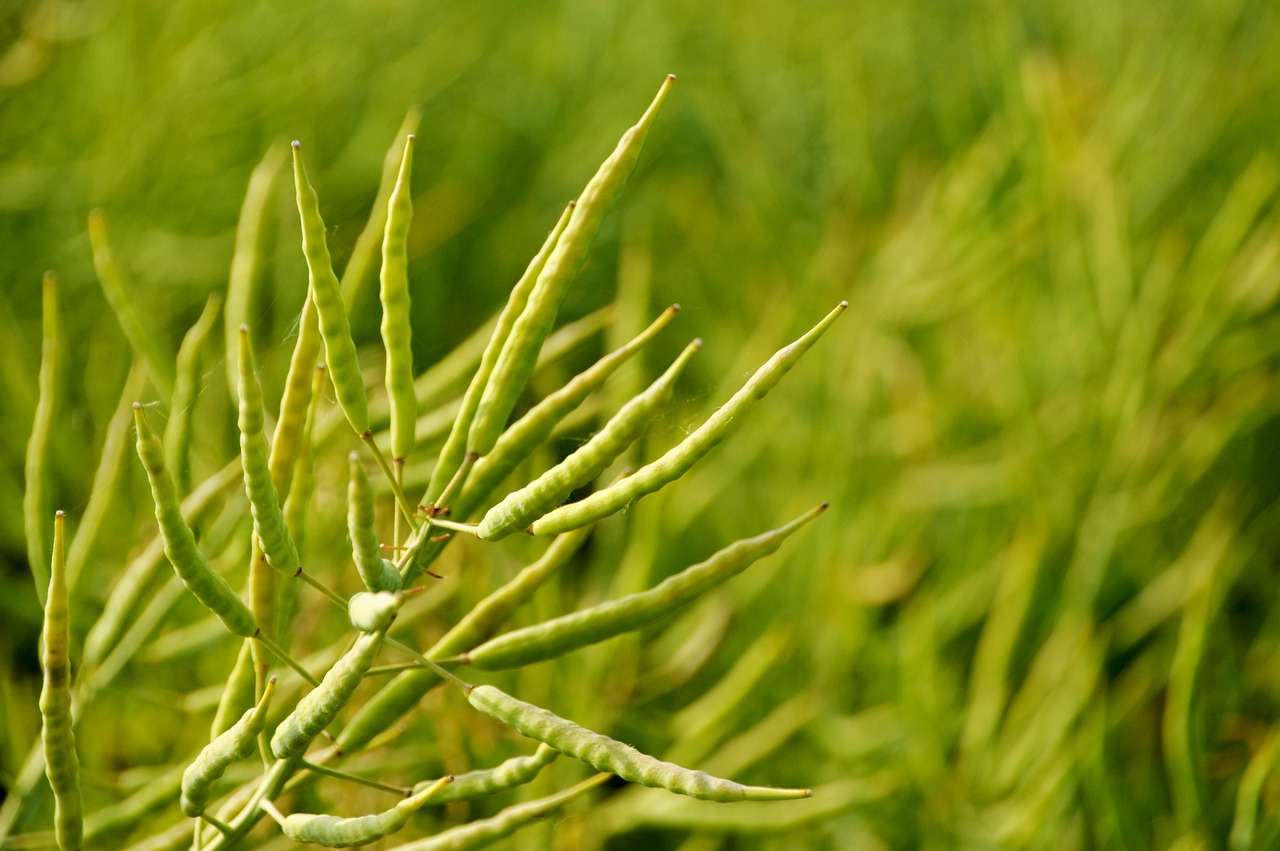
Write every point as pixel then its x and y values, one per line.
pixel 1042 611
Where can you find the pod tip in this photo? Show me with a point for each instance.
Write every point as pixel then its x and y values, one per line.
pixel 354 457
pixel 244 328
pixel 410 137
pixel 671 77
pixel 137 406
pixel 843 304
pixel 697 342
pixel 59 513
pixel 675 308
pixel 296 145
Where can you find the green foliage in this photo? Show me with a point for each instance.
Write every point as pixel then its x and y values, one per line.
pixel 1042 611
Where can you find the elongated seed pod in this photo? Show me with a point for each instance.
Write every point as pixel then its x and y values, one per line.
pixel 527 433
pixel 244 257
pixel 264 504
pixel 396 333
pixel 455 445
pixel 142 338
pixel 297 398
pixel 301 484
pixel 180 545
pixel 33 498
pixel 237 693
pixel 337 832
pixel 339 350
pixel 514 772
pixel 614 617
pixel 402 693
pixel 606 754
pixel 237 743
pixel 373 612
pixel 61 763
pixel 318 709
pixel 520 352
pixel 677 460
pixel 186 387
pixel 479 834
pixel 377 573
pixel 550 489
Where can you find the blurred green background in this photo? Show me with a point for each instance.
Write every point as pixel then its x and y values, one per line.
pixel 1043 610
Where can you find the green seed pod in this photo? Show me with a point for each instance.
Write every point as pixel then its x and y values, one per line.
pixel 680 458
pixel 550 489
pixel 237 693
pixel 373 612
pixel 318 709
pixel 33 499
pixel 485 832
pixel 180 545
pixel 520 352
pixel 62 766
pixel 296 400
pixel 264 504
pixel 614 617
pixel 186 387
pixel 237 743
pixel 404 692
pixel 527 433
pixel 377 573
pixel 140 335
pixel 340 351
pixel 606 754
pixel 336 832
pixel 514 772
pixel 396 333
pixel 455 446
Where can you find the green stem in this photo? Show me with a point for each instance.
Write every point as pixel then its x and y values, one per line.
pixel 405 508
pixel 286 658
pixel 403 791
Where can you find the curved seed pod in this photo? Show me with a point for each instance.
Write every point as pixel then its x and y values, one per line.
pixel 339 350
pixel 479 834
pixel 606 754
pixel 295 403
pixel 61 763
pixel 139 334
pixel 177 433
pixel 237 693
pixel 377 573
pixel 318 709
pixel 677 461
pixel 268 519
pixel 520 352
pixel 533 428
pixel 455 446
pixel 404 692
pixel 33 498
pixel 550 489
pixel 396 334
pixel 301 484
pixel 337 832
pixel 514 772
pixel 248 248
pixel 180 545
pixel 614 617
pixel 373 612
pixel 237 743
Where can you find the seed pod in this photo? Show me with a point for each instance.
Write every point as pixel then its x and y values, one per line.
pixel 606 754
pixel 485 832
pixel 237 693
pixel 614 617
pixel 339 350
pixel 373 612
pixel 237 743
pixel 33 499
pixel 680 458
pixel 396 333
pixel 180 545
pixel 552 487
pixel 62 765
pixel 514 772
pixel 186 387
pixel 401 694
pixel 520 352
pixel 377 573
pixel 336 832
pixel 455 446
pixel 318 709
pixel 264 504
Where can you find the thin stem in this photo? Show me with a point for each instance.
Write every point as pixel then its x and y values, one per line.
pixel 425 662
pixel 322 588
pixel 222 826
pixel 469 528
pixel 286 658
pixel 403 791
pixel 383 670
pixel 442 501
pixel 405 507
pixel 270 809
pixel 399 484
